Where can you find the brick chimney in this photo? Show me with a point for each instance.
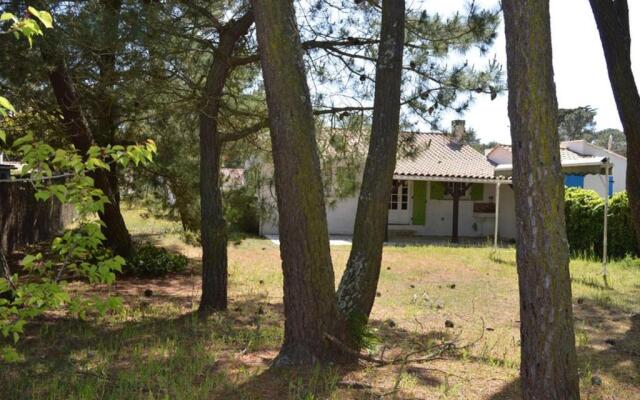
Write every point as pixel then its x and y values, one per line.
pixel 457 130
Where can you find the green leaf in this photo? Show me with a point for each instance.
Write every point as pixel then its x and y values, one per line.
pixel 8 16
pixel 27 262
pixel 3 136
pixel 9 354
pixel 4 103
pixel 43 16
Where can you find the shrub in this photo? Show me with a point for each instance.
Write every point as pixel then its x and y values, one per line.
pixel 584 212
pixel 151 261
pixel 241 211
pixel 622 233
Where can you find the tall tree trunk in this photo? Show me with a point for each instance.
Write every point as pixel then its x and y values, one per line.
pixel 213 229
pixel 357 290
pixel 75 123
pixel 548 358
pixel 310 303
pixel 106 108
pixel 612 19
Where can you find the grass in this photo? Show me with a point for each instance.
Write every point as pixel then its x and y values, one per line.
pixel 157 349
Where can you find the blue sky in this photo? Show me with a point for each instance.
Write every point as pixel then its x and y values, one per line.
pixel 580 70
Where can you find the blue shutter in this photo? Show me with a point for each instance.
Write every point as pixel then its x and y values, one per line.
pixel 610 185
pixel 574 181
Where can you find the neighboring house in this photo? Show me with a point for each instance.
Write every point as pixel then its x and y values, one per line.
pixel 444 171
pixel 577 156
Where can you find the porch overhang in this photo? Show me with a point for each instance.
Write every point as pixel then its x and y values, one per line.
pixel 585 166
pixel 505 179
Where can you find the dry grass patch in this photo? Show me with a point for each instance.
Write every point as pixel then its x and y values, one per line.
pixel 156 348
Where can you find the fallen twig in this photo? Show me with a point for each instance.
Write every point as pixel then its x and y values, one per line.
pixel 434 352
pixel 353 385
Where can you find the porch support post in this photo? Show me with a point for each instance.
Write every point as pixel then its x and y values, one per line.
pixel 497 220
pixel 605 231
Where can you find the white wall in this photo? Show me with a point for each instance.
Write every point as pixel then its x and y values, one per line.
pixel 439 216
pixel 341 216
pixel 507 226
pixel 341 213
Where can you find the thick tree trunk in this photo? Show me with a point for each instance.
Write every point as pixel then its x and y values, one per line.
pixel 548 359
pixel 74 121
pixel 106 109
pixel 213 229
pixel 357 290
pixel 310 303
pixel 612 19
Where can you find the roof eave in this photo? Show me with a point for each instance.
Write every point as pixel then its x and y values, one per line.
pixel 413 177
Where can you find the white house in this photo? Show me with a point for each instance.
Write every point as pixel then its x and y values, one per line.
pixel 426 185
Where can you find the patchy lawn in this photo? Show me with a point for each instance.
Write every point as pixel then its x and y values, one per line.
pixel 157 349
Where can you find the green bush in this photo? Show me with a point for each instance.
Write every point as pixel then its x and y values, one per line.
pixel 584 218
pixel 622 233
pixel 584 212
pixel 151 261
pixel 241 211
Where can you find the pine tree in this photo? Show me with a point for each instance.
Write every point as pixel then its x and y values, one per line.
pixel 548 366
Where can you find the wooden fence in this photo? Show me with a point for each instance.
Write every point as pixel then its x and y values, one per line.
pixel 25 220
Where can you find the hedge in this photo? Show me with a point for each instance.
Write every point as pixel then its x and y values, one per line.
pixel 584 212
pixel 622 233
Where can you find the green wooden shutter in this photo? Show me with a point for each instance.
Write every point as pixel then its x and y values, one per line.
pixel 477 191
pixel 437 191
pixel 419 202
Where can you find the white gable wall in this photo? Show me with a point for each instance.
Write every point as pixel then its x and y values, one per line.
pixel 341 216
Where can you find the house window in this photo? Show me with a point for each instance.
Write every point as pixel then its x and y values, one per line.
pixel 399 196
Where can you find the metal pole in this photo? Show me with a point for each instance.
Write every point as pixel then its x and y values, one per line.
pixel 497 214
pixel 605 232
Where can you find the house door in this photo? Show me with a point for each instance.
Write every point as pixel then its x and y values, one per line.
pixel 399 209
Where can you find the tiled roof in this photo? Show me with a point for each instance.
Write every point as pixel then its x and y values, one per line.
pixel 437 155
pixel 565 153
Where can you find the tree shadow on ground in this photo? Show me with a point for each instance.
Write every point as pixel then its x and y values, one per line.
pixel 609 352
pixel 154 354
pixel 346 381
pixel 465 242
pixel 140 356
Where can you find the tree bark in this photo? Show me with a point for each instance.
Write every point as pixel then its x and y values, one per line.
pixel 75 123
pixel 612 19
pixel 357 290
pixel 310 303
pixel 213 226
pixel 548 359
pixel 106 109
pixel 456 190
